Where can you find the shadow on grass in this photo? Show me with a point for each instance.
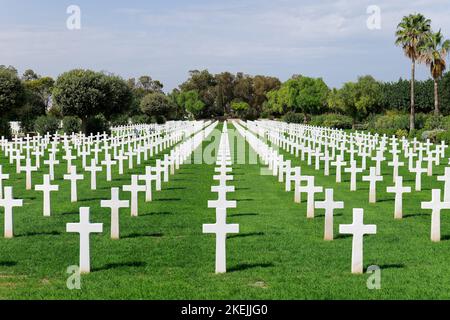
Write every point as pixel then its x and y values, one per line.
pixel 168 199
pixel 334 215
pixel 164 213
pixel 243 214
pixel 343 236
pixel 389 266
pixel 246 266
pixel 406 216
pixel 245 199
pixel 45 233
pixel 109 266
pixel 70 213
pixel 90 199
pixel 143 235
pixel 245 235
pixel 8 263
pixel 241 189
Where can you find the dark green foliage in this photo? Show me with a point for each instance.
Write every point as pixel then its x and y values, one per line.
pixel 85 94
pixel 141 118
pixel 333 120
pixel 157 105
pixel 119 120
pixel 5 129
pixel 97 124
pixel 292 117
pixel 71 124
pixel 46 124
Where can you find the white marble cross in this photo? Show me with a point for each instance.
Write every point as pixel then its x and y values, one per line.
pixel 28 168
pixel 353 170
pixel 93 169
pixel 446 179
pixel 221 229
pixel 358 229
pixel 120 158
pixel 399 190
pixel 378 159
pixel 3 176
pixel 311 190
pixel 73 177
pixel 134 188
pixel 51 165
pixel 8 203
pixel 339 163
pixel 148 177
pixel 84 228
pixel 114 204
pixel 329 205
pixel 68 157
pixel 395 164
pixel 108 163
pixel 436 206
pixel 222 202
pixel 418 170
pixel 46 188
pixel 373 178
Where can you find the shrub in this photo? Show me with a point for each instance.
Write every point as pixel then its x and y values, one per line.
pixel 71 124
pixel 421 120
pixel 432 135
pixel 443 136
pixel 140 118
pixel 338 121
pixel 97 124
pixel 250 114
pixel 292 117
pixel 434 122
pixel 392 122
pixel 46 124
pixel 120 120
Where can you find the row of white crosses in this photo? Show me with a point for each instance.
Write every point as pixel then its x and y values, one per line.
pixel 358 229
pixel 84 227
pixel 38 142
pixel 361 144
pixel 148 142
pixel 221 228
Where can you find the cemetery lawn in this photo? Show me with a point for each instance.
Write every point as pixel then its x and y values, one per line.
pixel 278 254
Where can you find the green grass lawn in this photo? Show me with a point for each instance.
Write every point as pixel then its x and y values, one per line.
pixel 278 254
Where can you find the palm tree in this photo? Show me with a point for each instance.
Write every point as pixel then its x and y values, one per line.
pixel 410 35
pixel 433 54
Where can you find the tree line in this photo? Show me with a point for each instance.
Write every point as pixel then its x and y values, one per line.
pixel 91 101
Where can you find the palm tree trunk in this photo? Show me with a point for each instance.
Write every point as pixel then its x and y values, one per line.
pixel 412 119
pixel 436 98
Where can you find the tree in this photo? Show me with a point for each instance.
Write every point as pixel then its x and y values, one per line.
pixel 311 96
pixel 85 94
pixel 224 91
pixel 433 53
pixel 41 90
pixel 204 83
pixel 360 98
pixel 158 106
pixel 29 75
pixel 118 96
pixel 410 35
pixel 12 93
pixel 190 101
pixel 240 107
pixel 262 85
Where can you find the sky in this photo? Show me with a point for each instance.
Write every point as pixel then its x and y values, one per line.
pixel 167 39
